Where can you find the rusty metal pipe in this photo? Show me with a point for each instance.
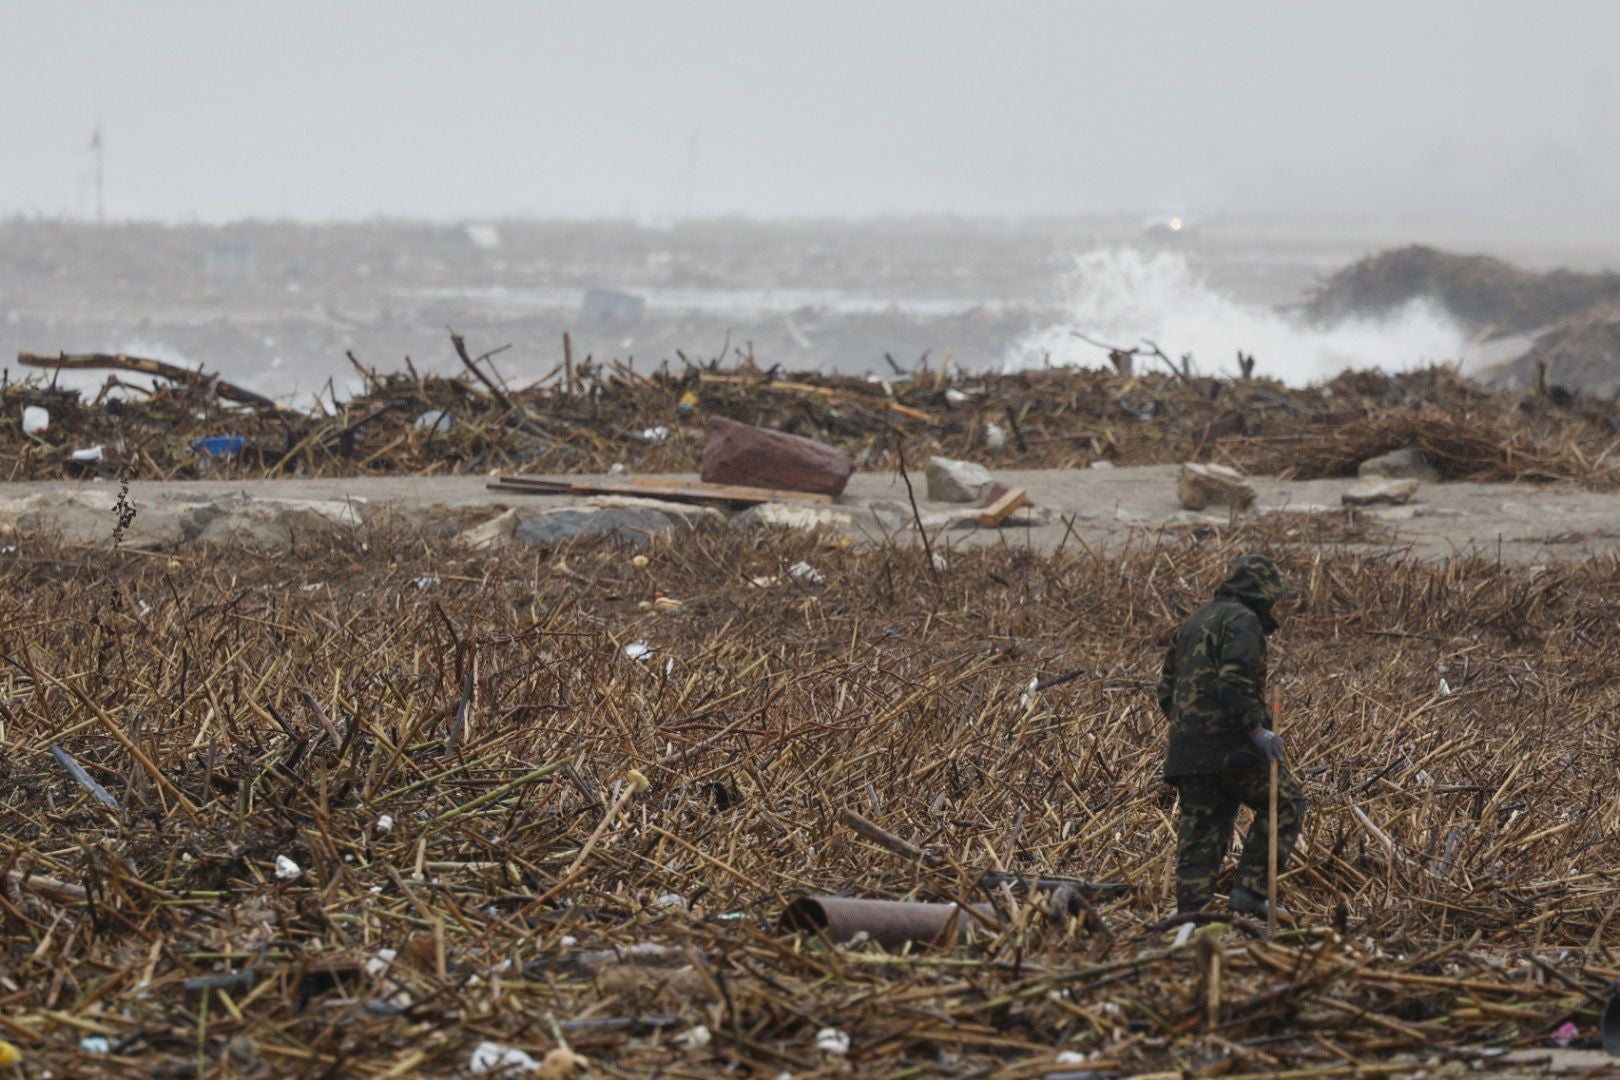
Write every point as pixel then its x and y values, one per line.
pixel 890 923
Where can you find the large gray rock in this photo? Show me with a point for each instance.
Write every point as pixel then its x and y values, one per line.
pixel 267 524
pixel 950 480
pixel 794 516
pixel 1380 492
pixel 1199 486
pixel 1399 465
pixel 632 524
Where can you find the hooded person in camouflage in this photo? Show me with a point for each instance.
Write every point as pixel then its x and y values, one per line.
pixel 1212 690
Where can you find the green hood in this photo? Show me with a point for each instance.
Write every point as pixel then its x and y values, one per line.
pixel 1256 583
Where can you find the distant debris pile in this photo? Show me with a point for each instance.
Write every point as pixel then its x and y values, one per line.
pixel 1485 294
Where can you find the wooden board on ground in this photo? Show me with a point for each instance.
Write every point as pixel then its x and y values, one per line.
pixel 660 487
pixel 997 512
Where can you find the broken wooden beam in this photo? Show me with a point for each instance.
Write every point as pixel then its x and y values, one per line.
pixel 998 511
pixel 141 365
pixel 658 487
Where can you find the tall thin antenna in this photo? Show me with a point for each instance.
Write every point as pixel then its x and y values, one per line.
pixel 101 203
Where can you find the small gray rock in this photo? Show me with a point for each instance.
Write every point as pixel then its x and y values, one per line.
pixel 1399 465
pixel 950 480
pixel 1380 492
pixel 551 528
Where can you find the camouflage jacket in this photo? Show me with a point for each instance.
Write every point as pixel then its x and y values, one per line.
pixel 1212 685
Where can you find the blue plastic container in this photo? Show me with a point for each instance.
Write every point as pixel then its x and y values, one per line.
pixel 220 446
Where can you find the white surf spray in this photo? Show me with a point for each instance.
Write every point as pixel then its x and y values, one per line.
pixel 1121 296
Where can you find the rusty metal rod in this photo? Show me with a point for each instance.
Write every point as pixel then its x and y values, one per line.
pixel 890 923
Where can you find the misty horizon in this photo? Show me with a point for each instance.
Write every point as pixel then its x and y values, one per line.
pixel 1472 117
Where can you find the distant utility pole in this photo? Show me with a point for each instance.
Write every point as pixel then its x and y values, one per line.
pixel 101 204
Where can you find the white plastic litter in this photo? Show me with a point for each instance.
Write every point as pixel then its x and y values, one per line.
pixel 655 434
pixel 35 419
pixel 434 420
pixel 493 1057
pixel 832 1041
pixel 379 963
pixel 694 1038
pixel 803 571
pixel 286 869
pixel 89 454
pixel 385 823
pixel 995 436
pixel 638 650
pixel 95 1044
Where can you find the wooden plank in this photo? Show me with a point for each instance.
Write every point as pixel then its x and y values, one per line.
pixel 997 512
pixel 735 492
pixel 659 488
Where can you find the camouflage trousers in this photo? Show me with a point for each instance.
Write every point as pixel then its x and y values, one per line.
pixel 1209 806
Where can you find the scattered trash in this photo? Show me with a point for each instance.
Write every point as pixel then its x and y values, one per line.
pixel 1072 1057
pixel 638 650
pixel 87 456
pixel 655 434
pixel 671 900
pixel 692 1039
pixel 385 823
pixel 995 436
pixel 433 421
pixel 832 1041
pixel 494 1057
pixel 219 446
pixel 639 561
pixel 956 397
pixel 426 581
pixel 9 1054
pixel 940 563
pixel 803 571
pixel 95 1044
pixel 379 963
pixel 286 869
pixel 1564 1034
pixel 617 469
pixel 35 420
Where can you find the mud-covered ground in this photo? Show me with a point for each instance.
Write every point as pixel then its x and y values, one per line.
pixel 1100 509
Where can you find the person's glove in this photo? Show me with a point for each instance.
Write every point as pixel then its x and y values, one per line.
pixel 1268 742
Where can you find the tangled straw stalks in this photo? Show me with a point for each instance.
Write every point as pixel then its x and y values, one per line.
pixel 587 417
pixel 377 802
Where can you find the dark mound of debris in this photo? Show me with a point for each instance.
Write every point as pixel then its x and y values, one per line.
pixel 1581 353
pixel 1485 294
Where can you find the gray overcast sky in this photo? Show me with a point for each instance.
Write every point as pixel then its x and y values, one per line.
pixel 1474 111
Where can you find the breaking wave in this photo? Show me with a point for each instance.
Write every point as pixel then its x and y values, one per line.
pixel 1123 295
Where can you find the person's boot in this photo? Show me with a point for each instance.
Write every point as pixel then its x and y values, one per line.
pixel 1247 902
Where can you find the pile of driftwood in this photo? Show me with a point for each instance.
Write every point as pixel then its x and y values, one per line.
pixel 589 416
pixel 395 808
